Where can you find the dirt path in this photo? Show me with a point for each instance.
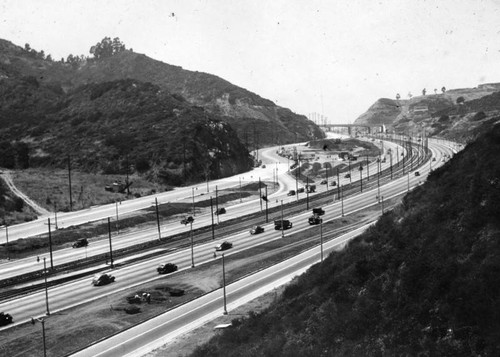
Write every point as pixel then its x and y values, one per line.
pixel 7 177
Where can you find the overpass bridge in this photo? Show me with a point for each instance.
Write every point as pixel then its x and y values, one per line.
pixel 367 128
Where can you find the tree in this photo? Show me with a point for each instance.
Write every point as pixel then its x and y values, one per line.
pixel 443 89
pixel 107 48
pixel 435 91
pixel 460 100
pixel 410 95
pixel 398 96
pixel 424 91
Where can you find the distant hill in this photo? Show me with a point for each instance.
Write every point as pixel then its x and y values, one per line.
pixel 424 281
pixel 412 115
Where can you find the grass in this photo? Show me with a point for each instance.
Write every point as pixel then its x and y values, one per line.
pixel 50 188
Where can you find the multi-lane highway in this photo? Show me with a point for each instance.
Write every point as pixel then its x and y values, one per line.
pixel 63 296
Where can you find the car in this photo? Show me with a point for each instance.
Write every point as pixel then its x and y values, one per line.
pixel 166 268
pixel 291 193
pixel 319 211
pixel 187 220
pixel 102 279
pixel 347 176
pixel 82 242
pixel 417 173
pixel 433 159
pixel 334 183
pixel 256 230
pixel 5 319
pixel 221 210
pixel 224 246
pixel 301 189
pixel 315 219
pixel 263 166
pixel 282 224
pixel 324 182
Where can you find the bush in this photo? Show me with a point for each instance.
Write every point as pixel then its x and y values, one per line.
pixel 132 309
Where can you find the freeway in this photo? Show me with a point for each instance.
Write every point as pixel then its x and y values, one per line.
pixel 158 331
pixel 67 295
pixel 171 227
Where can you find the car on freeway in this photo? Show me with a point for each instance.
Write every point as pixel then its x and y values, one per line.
pixel 263 166
pixel 5 319
pixel 221 210
pixel 82 242
pixel 433 159
pixel 324 182
pixel 256 230
pixel 417 173
pixel 102 279
pixel 334 183
pixel 301 189
pixel 347 176
pixel 282 224
pixel 224 246
pixel 187 220
pixel 166 268
pixel 291 193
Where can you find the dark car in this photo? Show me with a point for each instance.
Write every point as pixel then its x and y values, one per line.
pixel 5 319
pixel 256 230
pixel 347 176
pixel 291 193
pixel 315 219
pixel 83 242
pixel 417 173
pixel 221 210
pixel 301 189
pixel 166 268
pixel 224 245
pixel 324 182
pixel 282 224
pixel 334 183
pixel 103 279
pixel 187 220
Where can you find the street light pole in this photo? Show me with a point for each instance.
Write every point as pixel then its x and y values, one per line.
pixel 46 288
pixel 307 192
pixel 42 320
pixel 224 284
pixel 50 246
pixel 267 199
pixel 110 246
pixel 282 230
pixel 321 236
pixel 192 249
pixel 342 199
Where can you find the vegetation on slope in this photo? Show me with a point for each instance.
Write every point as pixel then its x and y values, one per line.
pixel 425 280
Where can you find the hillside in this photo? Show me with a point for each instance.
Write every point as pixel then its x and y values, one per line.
pixel 423 281
pixel 257 121
pixel 424 112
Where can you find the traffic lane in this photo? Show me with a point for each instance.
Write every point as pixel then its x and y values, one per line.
pixel 162 329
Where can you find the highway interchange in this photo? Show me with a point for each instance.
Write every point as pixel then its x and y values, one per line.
pixel 63 296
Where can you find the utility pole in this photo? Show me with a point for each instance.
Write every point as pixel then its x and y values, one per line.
pixel 158 218
pixel 260 195
pixel 50 246
pixel 307 192
pixel 282 230
pixel 267 216
pixel 194 213
pixel 69 177
pixel 212 215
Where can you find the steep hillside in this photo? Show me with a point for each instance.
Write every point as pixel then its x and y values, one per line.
pixel 423 112
pixel 425 280
pixel 112 127
pixel 238 106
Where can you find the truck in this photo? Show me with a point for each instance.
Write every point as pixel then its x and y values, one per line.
pixel 282 224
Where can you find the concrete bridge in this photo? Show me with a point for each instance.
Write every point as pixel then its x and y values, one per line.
pixel 369 128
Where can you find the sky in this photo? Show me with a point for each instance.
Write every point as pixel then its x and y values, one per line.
pixel 331 58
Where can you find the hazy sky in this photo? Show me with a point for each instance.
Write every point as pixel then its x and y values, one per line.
pixel 335 58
